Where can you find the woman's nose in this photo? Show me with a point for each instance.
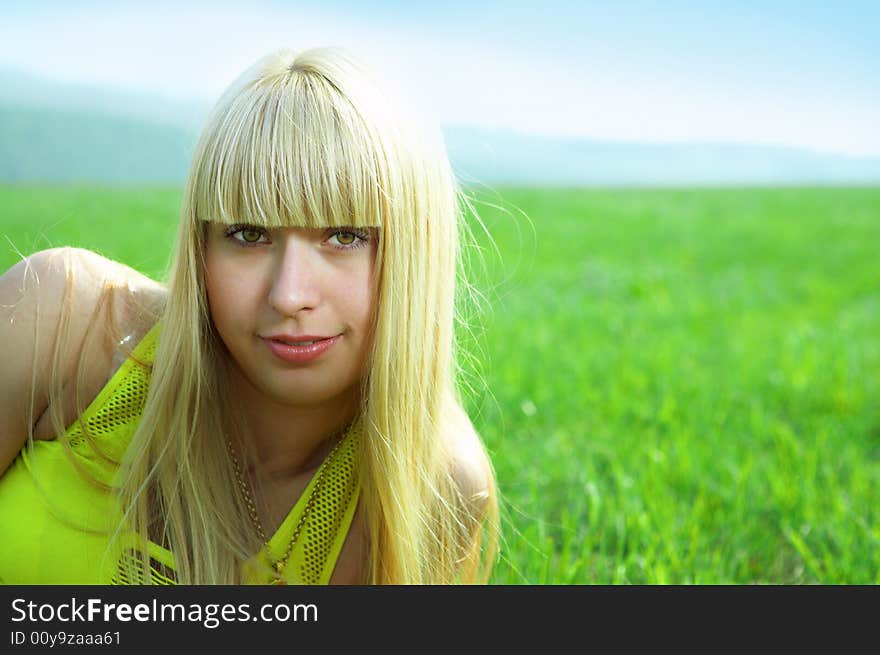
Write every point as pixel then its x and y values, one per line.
pixel 294 286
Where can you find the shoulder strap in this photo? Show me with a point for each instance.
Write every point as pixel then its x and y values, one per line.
pixel 114 413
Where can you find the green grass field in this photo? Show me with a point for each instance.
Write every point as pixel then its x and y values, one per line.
pixel 679 386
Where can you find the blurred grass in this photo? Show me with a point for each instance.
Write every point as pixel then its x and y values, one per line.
pixel 680 386
pixel 135 226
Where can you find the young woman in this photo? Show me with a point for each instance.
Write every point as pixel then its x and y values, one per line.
pixel 284 409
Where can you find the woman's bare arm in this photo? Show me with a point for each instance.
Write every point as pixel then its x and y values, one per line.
pixel 35 295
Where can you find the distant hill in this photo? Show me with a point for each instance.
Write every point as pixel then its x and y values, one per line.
pixel 26 91
pixel 47 145
pixel 510 157
pixel 67 133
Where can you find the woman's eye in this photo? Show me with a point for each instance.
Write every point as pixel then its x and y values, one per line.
pixel 348 239
pixel 248 235
pixel 251 236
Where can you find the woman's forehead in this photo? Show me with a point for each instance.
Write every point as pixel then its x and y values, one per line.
pixel 230 202
pixel 221 226
pixel 308 169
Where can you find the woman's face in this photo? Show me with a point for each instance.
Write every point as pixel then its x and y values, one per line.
pixel 272 290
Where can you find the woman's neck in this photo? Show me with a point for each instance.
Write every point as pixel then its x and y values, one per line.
pixel 289 439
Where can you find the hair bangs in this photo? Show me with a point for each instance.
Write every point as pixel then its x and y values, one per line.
pixel 293 153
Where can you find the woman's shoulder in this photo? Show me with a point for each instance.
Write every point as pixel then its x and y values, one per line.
pixel 81 291
pixel 62 314
pixel 469 462
pixel 49 277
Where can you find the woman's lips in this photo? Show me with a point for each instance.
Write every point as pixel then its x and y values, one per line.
pixel 299 354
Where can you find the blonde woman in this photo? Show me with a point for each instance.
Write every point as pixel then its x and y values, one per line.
pixel 284 409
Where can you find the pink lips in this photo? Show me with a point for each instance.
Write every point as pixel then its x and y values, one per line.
pixel 299 354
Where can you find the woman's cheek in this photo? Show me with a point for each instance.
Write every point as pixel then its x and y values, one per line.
pixel 222 289
pixel 234 299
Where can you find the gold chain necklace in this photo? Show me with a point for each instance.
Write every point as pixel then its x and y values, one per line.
pixel 278 566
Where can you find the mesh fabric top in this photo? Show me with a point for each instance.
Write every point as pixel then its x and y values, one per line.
pixel 56 525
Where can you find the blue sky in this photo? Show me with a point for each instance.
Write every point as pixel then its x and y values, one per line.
pixel 788 73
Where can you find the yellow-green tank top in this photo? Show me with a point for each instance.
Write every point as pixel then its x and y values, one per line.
pixel 56 526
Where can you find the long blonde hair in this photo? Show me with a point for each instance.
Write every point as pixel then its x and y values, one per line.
pixel 310 140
